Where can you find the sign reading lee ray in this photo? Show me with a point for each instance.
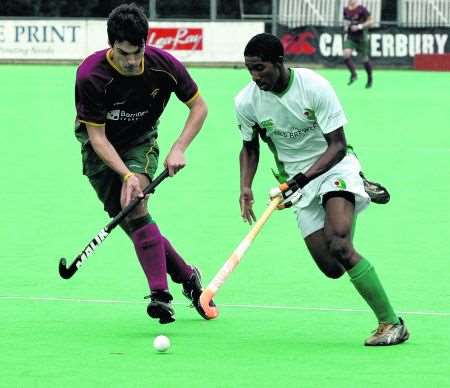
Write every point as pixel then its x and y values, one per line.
pixel 388 45
pixel 181 38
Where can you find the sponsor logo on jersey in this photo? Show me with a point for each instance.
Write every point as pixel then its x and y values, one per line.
pixel 294 133
pixel 291 133
pixel 121 115
pixel 113 115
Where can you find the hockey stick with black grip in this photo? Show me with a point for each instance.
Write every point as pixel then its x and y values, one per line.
pixel 67 272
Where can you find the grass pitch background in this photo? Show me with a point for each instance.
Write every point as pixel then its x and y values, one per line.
pixel 282 322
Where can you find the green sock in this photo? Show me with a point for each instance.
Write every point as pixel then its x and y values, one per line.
pixel 365 280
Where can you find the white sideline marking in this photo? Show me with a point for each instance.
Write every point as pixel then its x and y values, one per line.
pixel 247 306
pixel 430 149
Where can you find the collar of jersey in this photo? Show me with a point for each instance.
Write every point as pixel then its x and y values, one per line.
pixel 110 61
pixel 291 79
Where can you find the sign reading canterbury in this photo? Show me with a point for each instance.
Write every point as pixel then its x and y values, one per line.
pixel 388 45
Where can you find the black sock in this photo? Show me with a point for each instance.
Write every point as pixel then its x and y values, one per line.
pixel 138 223
pixel 348 62
pixel 368 68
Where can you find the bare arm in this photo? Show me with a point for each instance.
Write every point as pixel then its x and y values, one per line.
pixel 105 150
pixel 368 23
pixel 176 160
pixel 337 148
pixel 248 162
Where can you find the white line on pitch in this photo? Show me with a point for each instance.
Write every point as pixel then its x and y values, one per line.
pixel 430 149
pixel 247 306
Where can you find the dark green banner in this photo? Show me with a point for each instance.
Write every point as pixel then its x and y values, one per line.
pixel 389 46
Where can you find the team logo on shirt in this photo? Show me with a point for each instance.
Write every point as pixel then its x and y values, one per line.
pixel 154 93
pixel 310 115
pixel 340 184
pixel 268 124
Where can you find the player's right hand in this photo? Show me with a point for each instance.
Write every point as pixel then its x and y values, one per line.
pixel 131 189
pixel 290 192
pixel 246 203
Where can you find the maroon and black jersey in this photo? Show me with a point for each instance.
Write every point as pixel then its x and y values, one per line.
pixel 355 16
pixel 128 106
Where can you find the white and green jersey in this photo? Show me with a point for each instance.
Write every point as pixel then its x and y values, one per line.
pixel 292 123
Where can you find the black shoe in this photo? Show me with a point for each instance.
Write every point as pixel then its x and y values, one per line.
pixel 160 306
pixel 352 79
pixel 369 84
pixel 377 193
pixel 192 289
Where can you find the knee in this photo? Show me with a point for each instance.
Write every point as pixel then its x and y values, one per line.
pixel 340 248
pixel 347 54
pixel 334 272
pixel 329 266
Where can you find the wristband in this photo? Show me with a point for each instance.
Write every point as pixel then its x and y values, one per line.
pixel 128 175
pixel 301 179
pixel 360 26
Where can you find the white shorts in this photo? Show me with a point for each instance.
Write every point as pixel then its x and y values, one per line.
pixel 343 176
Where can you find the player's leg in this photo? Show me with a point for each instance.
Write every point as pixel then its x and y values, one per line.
pixel 139 226
pixel 340 210
pixel 187 275
pixel 144 159
pixel 311 221
pixel 364 51
pixel 149 246
pixel 328 234
pixel 348 51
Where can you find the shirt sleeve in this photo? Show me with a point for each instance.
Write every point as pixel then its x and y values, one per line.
pixel 245 123
pixel 89 103
pixel 185 89
pixel 328 110
pixel 364 14
pixel 346 15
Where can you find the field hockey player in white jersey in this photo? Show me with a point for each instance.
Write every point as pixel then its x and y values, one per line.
pixel 297 113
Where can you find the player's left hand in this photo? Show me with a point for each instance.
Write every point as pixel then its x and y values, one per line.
pixel 289 191
pixel 356 27
pixel 175 160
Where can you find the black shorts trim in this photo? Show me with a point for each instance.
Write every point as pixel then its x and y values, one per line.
pixel 339 194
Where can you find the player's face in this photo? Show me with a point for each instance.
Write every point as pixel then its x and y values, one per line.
pixel 266 75
pixel 127 57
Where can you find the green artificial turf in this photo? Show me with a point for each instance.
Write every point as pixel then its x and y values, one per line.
pixel 282 323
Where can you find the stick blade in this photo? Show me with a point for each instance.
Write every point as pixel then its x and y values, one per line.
pixel 211 312
pixel 64 272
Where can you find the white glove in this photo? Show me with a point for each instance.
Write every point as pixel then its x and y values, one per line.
pixel 290 194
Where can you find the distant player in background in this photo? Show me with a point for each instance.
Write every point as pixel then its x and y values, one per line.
pixel 120 94
pixel 297 113
pixel 357 20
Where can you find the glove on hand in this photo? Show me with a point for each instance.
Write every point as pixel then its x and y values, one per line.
pixel 290 191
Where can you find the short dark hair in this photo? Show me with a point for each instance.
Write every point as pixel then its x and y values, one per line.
pixel 265 46
pixel 127 22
